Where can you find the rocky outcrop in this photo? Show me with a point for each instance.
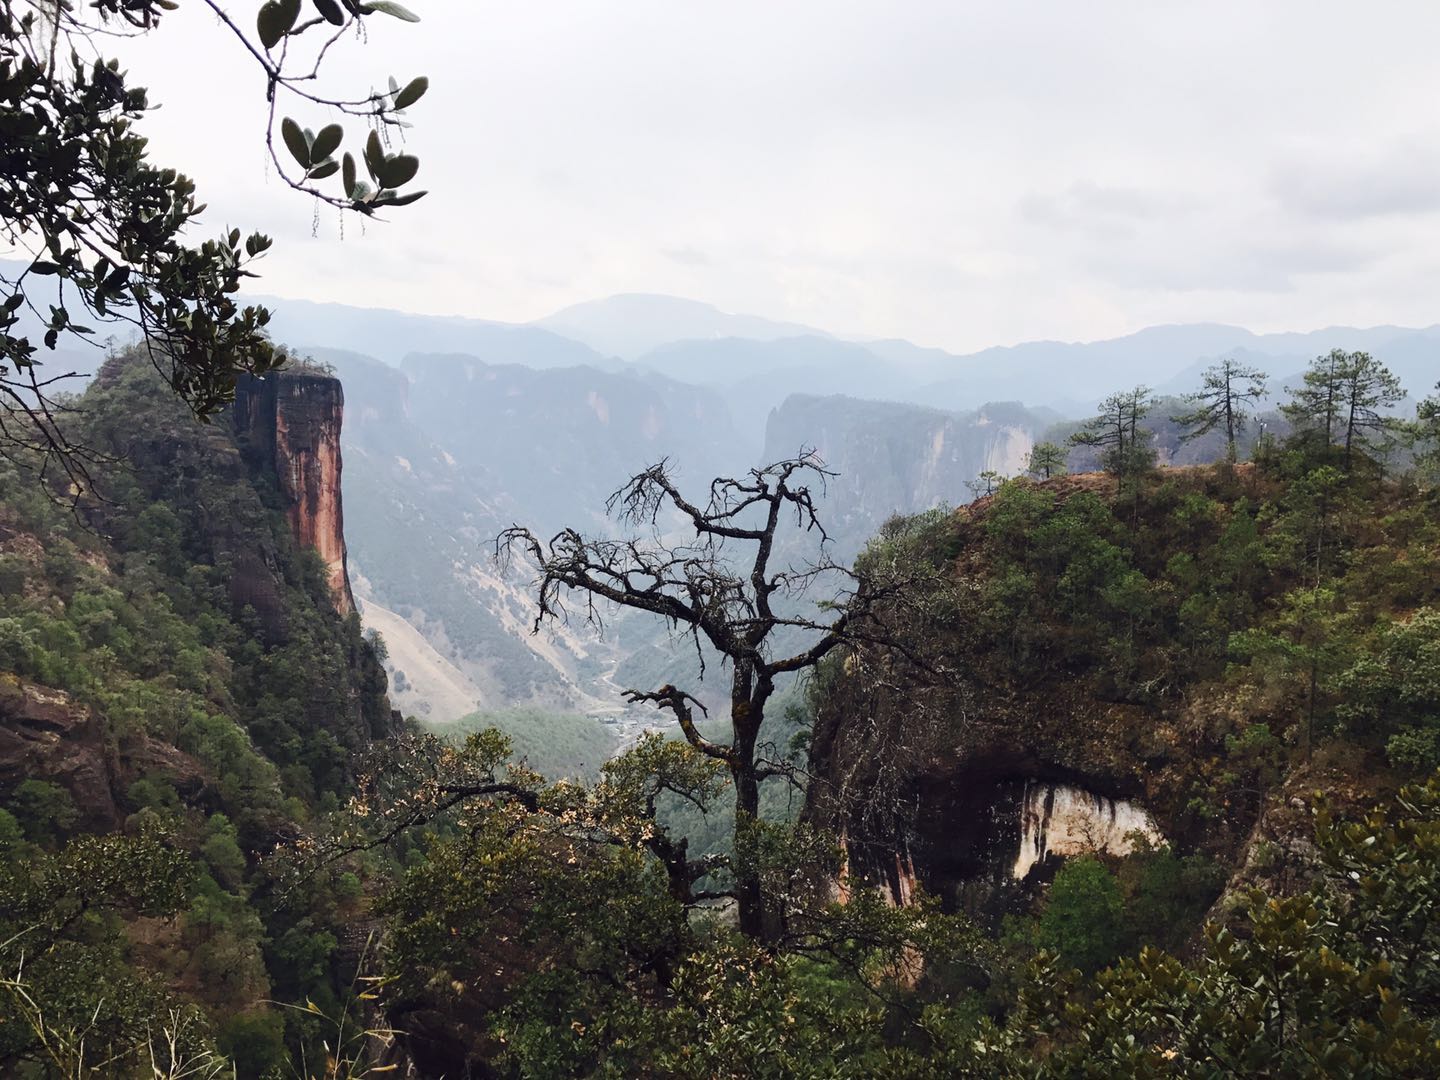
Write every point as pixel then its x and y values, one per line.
pixel 985 769
pixel 289 425
pixel 45 734
pixel 1063 820
pixel 894 458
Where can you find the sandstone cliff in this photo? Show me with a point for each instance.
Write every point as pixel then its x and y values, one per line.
pixel 289 424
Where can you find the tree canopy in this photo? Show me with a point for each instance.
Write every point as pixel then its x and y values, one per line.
pixel 1224 401
pixel 1124 444
pixel 727 589
pixel 107 236
pixel 1344 402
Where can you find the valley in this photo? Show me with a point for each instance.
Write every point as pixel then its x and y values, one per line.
pixel 526 425
pixel 719 542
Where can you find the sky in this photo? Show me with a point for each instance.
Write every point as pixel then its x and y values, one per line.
pixel 959 174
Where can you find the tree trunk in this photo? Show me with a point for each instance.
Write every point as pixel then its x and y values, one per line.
pixel 1350 434
pixel 745 727
pixel 1229 424
pixel 748 895
pixel 747 715
pixel 1310 711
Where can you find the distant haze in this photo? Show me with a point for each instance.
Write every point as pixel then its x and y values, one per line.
pixel 957 174
pixel 756 363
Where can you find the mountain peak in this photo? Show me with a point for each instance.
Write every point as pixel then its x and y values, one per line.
pixel 632 324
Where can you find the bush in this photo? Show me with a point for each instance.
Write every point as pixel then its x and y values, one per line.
pixel 254 1043
pixel 45 810
pixel 1082 920
pixel 1416 749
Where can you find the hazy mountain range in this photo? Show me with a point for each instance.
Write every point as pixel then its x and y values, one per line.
pixel 751 358
pixel 456 428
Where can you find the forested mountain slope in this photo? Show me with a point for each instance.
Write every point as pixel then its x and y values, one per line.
pixel 1207 642
pixel 178 695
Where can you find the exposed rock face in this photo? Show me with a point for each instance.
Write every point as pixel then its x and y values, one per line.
pixel 897 459
pixel 1060 819
pixel 45 734
pixel 289 423
pixel 982 826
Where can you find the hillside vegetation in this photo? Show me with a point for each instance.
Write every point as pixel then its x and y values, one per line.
pixel 209 808
pixel 179 697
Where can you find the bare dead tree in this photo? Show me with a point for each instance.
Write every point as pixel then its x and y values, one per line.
pixel 720 588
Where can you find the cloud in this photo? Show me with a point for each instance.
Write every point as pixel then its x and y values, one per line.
pixel 1355 183
pixel 1086 204
pixel 958 174
pixel 1230 263
pixel 686 256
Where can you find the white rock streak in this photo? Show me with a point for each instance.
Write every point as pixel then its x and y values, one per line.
pixel 1057 819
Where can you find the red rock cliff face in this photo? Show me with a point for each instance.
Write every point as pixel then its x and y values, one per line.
pixel 290 421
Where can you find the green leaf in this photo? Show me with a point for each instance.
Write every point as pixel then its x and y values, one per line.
pixel 347 179
pixel 270 24
pixel 324 169
pixel 374 154
pixel 413 92
pixel 44 268
pixel 275 20
pixel 397 11
pixel 330 11
pixel 406 200
pixel 327 142
pixel 399 170
pixel 295 140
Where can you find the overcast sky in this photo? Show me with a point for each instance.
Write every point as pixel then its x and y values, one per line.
pixel 959 174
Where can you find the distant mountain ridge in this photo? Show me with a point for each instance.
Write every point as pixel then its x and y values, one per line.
pixel 756 362
pixel 632 324
pixel 457 428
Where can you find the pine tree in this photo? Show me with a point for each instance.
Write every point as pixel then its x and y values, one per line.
pixel 1369 387
pixel 1342 402
pixel 1314 408
pixel 1124 445
pixel 1426 432
pixel 1230 388
pixel 1045 460
pixel 985 485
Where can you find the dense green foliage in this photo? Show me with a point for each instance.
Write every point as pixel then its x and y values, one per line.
pixel 1306 593
pixel 217 700
pixel 553 744
pixel 1338 980
pixel 1288 610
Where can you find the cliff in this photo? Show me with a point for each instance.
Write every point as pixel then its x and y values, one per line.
pixel 896 458
pixel 288 424
pixel 172 662
pixel 1102 663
